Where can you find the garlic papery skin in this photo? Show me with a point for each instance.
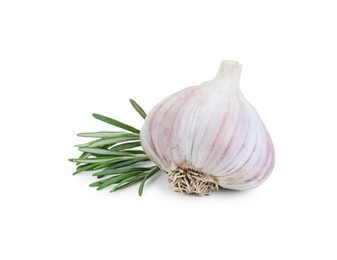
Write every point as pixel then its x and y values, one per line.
pixel 208 136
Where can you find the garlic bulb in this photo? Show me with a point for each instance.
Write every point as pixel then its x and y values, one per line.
pixel 208 136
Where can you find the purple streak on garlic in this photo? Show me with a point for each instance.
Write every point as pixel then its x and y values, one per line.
pixel 209 135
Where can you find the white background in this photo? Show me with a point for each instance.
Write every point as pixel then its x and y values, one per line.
pixel 62 60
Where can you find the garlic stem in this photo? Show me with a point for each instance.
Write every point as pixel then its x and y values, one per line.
pixel 228 76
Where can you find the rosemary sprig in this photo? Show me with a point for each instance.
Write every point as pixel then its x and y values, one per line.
pixel 113 153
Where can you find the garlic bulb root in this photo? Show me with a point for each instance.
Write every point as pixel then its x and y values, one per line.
pixel 190 181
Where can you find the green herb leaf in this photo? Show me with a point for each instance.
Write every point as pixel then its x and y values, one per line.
pixel 83 156
pixel 147 176
pixel 113 180
pixel 96 184
pixel 129 162
pixel 96 160
pixel 100 151
pixel 126 185
pixel 120 170
pixel 112 141
pixel 103 134
pixel 134 151
pixel 116 123
pixel 125 146
pixel 131 180
pixel 86 167
pixel 138 108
